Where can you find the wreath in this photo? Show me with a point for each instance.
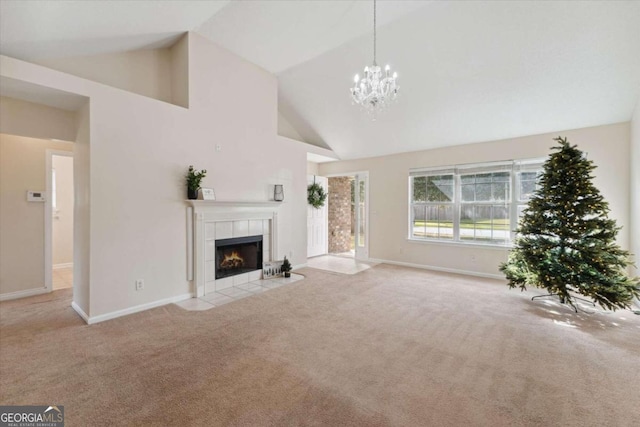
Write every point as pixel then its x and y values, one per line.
pixel 316 195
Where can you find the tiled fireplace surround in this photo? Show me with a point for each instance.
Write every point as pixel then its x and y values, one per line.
pixel 211 221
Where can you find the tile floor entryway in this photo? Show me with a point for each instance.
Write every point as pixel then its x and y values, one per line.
pixel 237 292
pixel 62 278
pixel 339 264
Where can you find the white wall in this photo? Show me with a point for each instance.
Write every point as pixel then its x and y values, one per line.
pixel 634 162
pixel 130 163
pixel 180 72
pixel 22 168
pixel 146 72
pixel 82 210
pixel 607 146
pixel 286 129
pixel 24 118
pixel 62 217
pixel 312 168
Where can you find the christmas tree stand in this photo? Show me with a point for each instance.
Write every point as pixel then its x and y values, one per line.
pixel 562 300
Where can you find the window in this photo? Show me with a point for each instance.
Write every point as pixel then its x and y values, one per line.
pixel 471 203
pixel 433 206
pixel 484 206
pixel 527 183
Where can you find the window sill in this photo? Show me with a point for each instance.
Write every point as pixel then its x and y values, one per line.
pixel 490 246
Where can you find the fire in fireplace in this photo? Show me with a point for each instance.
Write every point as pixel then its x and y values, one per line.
pixel 238 255
pixel 232 261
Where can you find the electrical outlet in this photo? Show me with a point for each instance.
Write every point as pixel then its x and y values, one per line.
pixel 139 284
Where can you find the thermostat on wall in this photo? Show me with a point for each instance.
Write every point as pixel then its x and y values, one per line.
pixel 35 196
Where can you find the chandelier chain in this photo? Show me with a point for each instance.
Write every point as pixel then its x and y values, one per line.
pixel 374 33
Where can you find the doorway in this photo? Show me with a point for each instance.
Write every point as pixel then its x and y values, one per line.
pixel 348 215
pixel 59 211
pixel 317 222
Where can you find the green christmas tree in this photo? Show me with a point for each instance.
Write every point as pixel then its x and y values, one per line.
pixel 566 241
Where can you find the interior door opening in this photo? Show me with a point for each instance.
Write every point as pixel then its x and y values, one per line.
pixel 61 207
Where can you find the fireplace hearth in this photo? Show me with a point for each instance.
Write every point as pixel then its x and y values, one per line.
pixel 238 255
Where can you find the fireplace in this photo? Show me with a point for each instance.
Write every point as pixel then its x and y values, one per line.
pixel 238 255
pixel 211 221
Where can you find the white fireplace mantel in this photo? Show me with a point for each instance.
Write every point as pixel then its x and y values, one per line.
pixel 226 203
pixel 208 219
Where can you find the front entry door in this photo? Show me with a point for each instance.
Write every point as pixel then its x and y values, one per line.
pixel 317 222
pixel 361 196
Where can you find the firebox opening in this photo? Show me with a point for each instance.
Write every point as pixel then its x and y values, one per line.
pixel 238 255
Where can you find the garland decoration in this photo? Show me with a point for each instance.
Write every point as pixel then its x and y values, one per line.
pixel 316 195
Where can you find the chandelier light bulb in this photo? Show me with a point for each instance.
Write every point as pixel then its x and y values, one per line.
pixel 356 78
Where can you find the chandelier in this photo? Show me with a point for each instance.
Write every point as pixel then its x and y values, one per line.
pixel 375 90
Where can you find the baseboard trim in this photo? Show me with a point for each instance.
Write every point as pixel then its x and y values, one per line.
pixel 23 294
pixel 295 267
pixel 63 265
pixel 442 269
pixel 80 312
pixel 136 309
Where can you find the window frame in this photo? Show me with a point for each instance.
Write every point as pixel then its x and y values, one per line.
pixel 512 202
pixel 506 202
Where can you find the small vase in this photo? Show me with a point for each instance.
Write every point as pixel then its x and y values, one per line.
pixel 278 193
pixel 192 194
pixel 287 274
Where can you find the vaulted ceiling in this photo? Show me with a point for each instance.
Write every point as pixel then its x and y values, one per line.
pixel 468 71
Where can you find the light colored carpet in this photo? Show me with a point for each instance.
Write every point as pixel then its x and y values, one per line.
pixel 389 346
pixel 339 264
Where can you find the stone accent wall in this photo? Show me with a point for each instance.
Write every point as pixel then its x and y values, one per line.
pixel 339 214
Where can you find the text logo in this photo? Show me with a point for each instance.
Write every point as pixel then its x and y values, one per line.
pixel 32 416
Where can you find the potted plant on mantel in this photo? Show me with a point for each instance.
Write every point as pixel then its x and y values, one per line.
pixel 286 267
pixel 194 178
